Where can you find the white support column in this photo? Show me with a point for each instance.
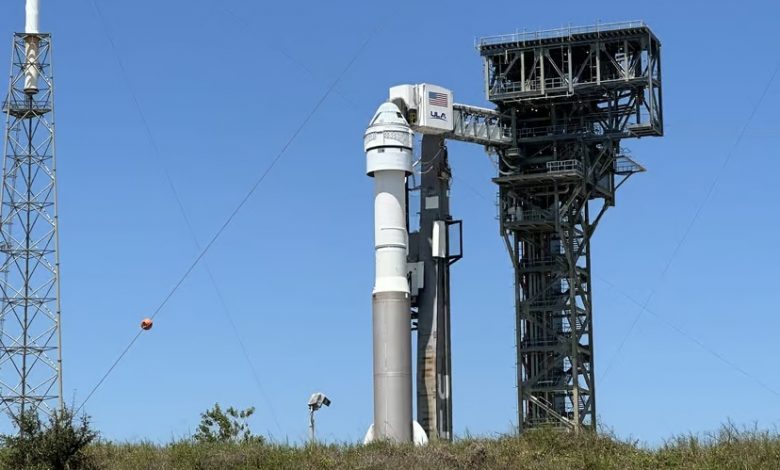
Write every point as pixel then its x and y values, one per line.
pixel 31 47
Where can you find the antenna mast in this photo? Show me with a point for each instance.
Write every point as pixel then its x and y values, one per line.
pixel 30 336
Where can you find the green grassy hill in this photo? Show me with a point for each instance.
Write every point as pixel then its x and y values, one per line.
pixel 727 449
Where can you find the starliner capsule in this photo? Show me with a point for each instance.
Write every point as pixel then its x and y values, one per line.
pixel 388 146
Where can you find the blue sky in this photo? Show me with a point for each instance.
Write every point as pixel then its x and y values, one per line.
pixel 223 85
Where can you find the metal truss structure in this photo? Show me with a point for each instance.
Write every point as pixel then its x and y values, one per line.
pixel 567 98
pixel 30 355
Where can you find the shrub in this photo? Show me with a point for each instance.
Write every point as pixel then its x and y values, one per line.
pixel 58 445
pixel 225 426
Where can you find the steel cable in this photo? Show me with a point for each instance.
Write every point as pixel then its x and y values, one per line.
pixel 241 203
pixel 694 219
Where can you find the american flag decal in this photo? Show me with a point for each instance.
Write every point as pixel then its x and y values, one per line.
pixel 437 99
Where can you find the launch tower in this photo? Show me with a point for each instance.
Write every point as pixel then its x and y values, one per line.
pixel 569 96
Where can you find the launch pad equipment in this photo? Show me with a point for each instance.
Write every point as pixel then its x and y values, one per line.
pixel 564 99
pixel 316 401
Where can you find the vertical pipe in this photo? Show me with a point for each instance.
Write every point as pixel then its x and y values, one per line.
pixel 651 92
pixel 58 313
pixel 522 70
pixel 660 101
pixel 31 17
pixel 575 340
pixel 31 47
pixel 598 63
pixel 486 73
pixel 589 320
pixel 570 71
pixel 311 424
pixel 625 60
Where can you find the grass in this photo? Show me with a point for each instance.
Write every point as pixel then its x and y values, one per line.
pixel 538 450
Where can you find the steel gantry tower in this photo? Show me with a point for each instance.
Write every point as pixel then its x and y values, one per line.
pixel 30 356
pixel 569 97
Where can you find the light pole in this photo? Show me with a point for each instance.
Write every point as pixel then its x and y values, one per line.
pixel 315 403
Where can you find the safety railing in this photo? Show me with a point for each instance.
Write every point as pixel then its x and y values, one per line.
pixel 624 165
pixel 517 216
pixel 565 166
pixel 540 342
pixel 550 301
pixel 25 105
pixel 539 262
pixel 542 131
pixel 524 36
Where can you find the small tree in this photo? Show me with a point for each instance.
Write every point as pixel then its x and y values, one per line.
pixel 58 445
pixel 225 426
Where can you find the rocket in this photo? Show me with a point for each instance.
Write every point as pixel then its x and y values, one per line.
pixel 388 146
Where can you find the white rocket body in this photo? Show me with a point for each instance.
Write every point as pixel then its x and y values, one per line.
pixel 388 146
pixel 31 47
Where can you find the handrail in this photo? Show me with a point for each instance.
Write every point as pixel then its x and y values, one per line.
pixel 557 32
pixel 19 104
pixel 564 166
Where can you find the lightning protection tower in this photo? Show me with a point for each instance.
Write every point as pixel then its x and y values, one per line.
pixel 569 96
pixel 30 355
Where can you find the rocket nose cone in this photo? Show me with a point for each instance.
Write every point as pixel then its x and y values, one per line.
pixel 388 113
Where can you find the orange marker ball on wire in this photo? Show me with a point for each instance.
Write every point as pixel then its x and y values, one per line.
pixel 146 324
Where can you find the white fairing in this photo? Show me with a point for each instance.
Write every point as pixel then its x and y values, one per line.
pixel 31 48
